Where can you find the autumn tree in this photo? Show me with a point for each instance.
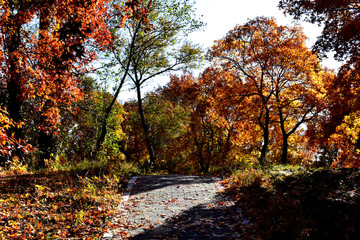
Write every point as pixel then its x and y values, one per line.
pixel 338 131
pixel 240 137
pixel 167 121
pixel 144 53
pixel 276 73
pixel 206 141
pixel 41 58
pixel 133 146
pixel 13 18
pixel 110 58
pixel 8 143
pixel 79 129
pixel 340 21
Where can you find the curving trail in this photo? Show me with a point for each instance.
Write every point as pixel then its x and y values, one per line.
pixel 177 207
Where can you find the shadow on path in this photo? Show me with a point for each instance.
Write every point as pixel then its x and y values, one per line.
pixel 179 207
pixel 153 182
pixel 217 220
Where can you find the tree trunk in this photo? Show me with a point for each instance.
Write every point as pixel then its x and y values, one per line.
pixel 145 128
pixel 103 133
pixel 46 138
pixel 108 110
pixel 285 136
pixel 125 152
pixel 265 145
pixel 199 147
pixel 15 98
pixel 285 146
pixel 46 146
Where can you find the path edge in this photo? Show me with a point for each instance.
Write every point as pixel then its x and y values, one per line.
pixel 110 234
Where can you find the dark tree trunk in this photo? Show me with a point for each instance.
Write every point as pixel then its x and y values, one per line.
pixel 285 147
pixel 46 138
pixel 47 144
pixel 125 152
pixel 285 135
pixel 108 110
pixel 15 98
pixel 103 132
pixel 265 128
pixel 145 128
pixel 14 109
pixel 199 147
pixel 46 147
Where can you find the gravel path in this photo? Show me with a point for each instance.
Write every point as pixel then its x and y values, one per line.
pixel 176 207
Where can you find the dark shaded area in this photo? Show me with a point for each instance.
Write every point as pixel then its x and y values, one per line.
pixel 319 205
pixel 217 221
pixel 149 183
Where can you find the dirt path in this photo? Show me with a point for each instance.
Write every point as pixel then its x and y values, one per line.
pixel 177 207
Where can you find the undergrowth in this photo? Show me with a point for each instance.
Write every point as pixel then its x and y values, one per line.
pixel 285 202
pixel 74 202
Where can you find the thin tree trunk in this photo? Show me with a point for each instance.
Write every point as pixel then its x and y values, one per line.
pixel 145 128
pixel 265 145
pixel 103 132
pixel 108 110
pixel 285 137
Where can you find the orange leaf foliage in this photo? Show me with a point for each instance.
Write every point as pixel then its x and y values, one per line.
pixel 43 52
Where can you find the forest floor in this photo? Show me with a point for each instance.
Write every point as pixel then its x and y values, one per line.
pixel 251 204
pixel 58 205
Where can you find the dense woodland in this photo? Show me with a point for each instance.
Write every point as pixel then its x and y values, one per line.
pixel 262 99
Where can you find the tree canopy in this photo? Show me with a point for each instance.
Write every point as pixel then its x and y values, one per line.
pixel 43 53
pixel 340 21
pixel 278 78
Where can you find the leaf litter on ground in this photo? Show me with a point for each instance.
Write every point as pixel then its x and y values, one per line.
pixel 76 204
